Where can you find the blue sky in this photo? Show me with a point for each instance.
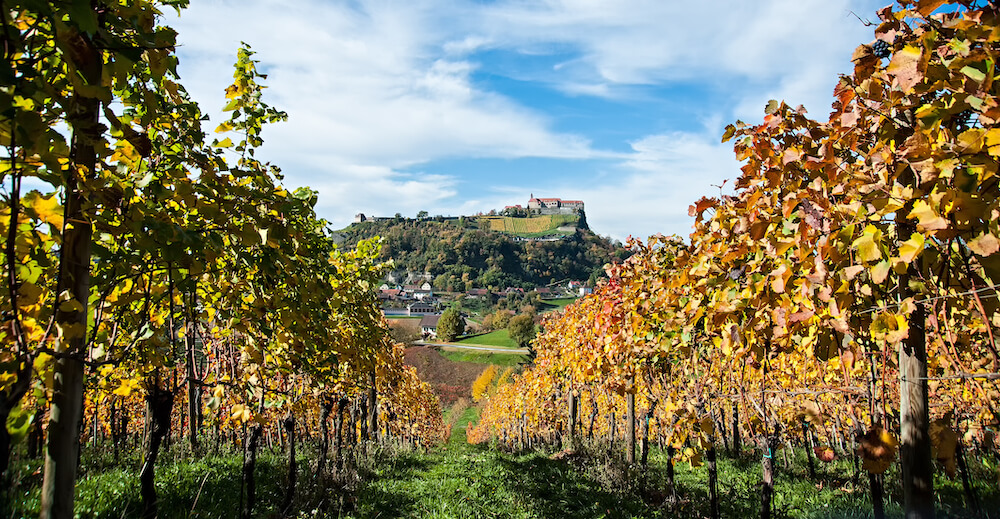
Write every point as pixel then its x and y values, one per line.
pixel 457 107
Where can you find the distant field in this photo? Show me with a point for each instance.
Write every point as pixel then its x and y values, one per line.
pixel 499 359
pixel 556 304
pixel 526 226
pixel 498 338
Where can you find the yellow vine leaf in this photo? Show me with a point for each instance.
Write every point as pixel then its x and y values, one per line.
pixel 889 327
pixel 910 249
pixel 926 7
pixel 991 138
pixel 879 272
pixel 868 245
pixel 45 208
pixel 944 440
pixel 926 217
pixel 124 390
pixel 240 413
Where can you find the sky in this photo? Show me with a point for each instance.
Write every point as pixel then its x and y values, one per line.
pixel 456 107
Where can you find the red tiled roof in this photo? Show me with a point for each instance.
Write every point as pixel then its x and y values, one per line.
pixel 572 201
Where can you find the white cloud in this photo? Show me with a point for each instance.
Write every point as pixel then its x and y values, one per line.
pixel 650 192
pixel 375 87
pixel 369 87
pixel 649 41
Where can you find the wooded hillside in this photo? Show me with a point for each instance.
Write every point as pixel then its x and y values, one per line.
pixel 462 257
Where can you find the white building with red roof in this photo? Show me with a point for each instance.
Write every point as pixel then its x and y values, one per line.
pixel 554 205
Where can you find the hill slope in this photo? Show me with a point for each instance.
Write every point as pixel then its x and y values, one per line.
pixel 460 255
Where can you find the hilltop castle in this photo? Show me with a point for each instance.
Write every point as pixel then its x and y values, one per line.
pixel 554 205
pixel 535 206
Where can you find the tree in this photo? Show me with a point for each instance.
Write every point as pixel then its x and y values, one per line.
pixel 451 325
pixel 522 329
pixel 421 215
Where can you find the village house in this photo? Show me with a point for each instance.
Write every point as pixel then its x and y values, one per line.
pixel 419 292
pixel 477 293
pixel 428 326
pixel 420 308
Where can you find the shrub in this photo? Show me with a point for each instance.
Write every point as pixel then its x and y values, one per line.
pixel 481 387
pixel 522 329
pixel 451 325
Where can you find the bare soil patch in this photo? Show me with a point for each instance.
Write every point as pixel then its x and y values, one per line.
pixel 451 380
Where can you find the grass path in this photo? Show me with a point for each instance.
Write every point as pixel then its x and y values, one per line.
pixel 462 480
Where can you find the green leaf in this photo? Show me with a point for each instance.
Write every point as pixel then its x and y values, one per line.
pixel 82 13
pixel 730 131
pixel 225 143
pixel 71 306
pixel 974 74
pixel 18 422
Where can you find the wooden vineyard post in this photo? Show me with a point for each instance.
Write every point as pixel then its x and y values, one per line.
pixel 593 416
pixel 249 466
pixel 571 395
pixel 713 478
pixel 630 426
pixel 372 407
pixel 289 424
pixel 972 500
pixel 324 447
pixel 914 415
pixel 737 447
pixel 671 483
pixel 611 435
pixel 806 441
pixel 338 425
pixel 644 457
pixel 159 402
pixel 878 505
pixel 767 476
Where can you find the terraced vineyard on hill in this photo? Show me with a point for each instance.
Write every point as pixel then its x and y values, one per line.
pixel 534 225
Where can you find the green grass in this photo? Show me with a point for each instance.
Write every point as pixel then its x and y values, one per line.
pixel 557 304
pixel 497 338
pixel 112 492
pixel 499 359
pixel 458 480
pixel 463 480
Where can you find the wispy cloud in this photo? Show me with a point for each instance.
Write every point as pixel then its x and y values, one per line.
pixel 378 93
